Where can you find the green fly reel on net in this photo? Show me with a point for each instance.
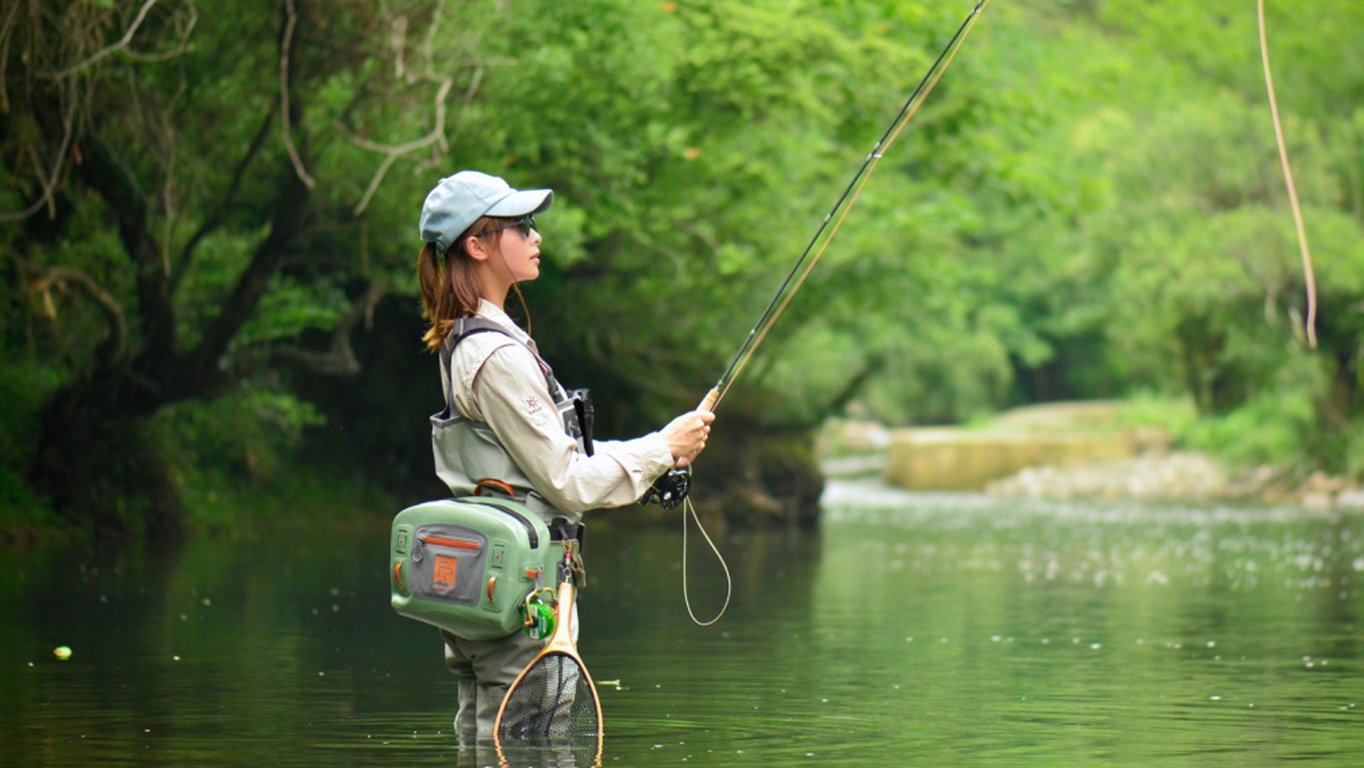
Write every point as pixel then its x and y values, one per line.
pixel 471 566
pixel 538 611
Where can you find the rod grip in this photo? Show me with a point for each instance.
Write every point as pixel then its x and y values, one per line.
pixel 709 401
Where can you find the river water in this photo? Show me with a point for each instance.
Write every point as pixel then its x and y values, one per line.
pixel 910 630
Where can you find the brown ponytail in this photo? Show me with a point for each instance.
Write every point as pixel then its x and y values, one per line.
pixel 451 290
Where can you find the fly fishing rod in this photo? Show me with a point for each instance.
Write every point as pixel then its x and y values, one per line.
pixel 829 227
pixel 671 489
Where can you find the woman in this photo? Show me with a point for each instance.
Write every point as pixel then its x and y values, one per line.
pixel 508 423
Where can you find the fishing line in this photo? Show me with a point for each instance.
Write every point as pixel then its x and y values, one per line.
pixel 796 277
pixel 687 508
pixel 1305 253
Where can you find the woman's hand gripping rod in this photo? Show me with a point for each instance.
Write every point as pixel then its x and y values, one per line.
pixel 686 436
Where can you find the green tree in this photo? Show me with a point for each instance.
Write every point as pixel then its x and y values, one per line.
pixel 204 179
pixel 219 199
pixel 1208 271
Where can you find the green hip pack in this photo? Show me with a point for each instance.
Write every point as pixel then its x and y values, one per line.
pixel 467 565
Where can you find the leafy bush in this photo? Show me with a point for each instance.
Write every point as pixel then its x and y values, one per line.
pixel 228 454
pixel 251 429
pixel 24 385
pixel 1278 425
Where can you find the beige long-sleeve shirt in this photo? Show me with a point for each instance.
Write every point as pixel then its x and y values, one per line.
pixel 498 381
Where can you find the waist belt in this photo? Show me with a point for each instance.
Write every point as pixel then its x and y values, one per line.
pixel 560 530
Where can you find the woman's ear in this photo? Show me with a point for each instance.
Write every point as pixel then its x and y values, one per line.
pixel 476 248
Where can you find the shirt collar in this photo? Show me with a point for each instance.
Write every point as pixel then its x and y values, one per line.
pixel 490 311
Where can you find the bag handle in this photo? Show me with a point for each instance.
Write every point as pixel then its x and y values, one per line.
pixel 496 485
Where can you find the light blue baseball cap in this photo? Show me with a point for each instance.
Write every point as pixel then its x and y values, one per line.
pixel 458 201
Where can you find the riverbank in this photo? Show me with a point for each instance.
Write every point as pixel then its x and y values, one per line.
pixel 220 505
pixel 1180 476
pixel 1157 470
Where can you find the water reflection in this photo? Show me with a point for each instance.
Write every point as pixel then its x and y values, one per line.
pixel 912 629
pixel 583 753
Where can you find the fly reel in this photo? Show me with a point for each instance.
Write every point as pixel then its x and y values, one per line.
pixel 539 614
pixel 669 490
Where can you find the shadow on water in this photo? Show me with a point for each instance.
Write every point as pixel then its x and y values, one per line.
pixel 911 629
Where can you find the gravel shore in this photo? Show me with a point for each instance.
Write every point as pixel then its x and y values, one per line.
pixel 1178 476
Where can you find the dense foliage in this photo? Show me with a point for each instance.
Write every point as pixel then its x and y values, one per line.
pixel 208 220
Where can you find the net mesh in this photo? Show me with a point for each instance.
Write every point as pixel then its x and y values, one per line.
pixel 553 702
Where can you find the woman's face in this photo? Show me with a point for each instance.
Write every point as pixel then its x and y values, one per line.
pixel 519 250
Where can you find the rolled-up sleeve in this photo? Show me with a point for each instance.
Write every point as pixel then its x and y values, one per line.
pixel 510 394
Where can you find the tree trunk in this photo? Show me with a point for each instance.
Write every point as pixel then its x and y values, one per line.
pixel 96 468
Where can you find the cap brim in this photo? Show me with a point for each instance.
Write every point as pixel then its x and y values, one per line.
pixel 523 202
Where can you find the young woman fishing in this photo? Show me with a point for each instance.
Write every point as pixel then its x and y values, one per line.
pixel 508 426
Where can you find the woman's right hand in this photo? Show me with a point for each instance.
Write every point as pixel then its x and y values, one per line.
pixel 686 435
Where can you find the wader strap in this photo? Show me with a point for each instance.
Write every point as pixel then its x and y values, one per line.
pixel 574 407
pixel 465 327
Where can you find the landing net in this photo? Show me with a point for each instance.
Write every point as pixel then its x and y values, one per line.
pixel 554 702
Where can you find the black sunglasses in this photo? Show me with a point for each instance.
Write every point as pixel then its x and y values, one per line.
pixel 525 224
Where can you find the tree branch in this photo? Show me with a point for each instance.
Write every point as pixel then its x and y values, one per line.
pixel 339 359
pixel 102 173
pixel 61 278
pixel 216 218
pixel 107 50
pixel 840 400
pixel 6 36
pixel 124 42
pixel 48 180
pixel 285 46
pixel 67 85
pixel 290 218
pixel 392 153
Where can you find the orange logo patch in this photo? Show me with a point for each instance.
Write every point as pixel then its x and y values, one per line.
pixel 445 574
